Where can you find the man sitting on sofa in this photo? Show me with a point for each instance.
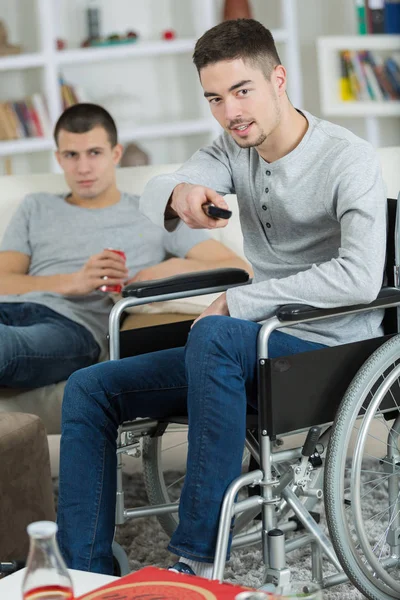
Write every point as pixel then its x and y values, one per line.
pixel 55 255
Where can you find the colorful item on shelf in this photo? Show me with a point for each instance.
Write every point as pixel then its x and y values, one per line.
pixel 5 46
pixel 392 16
pixel 168 34
pixel 366 76
pixel 61 44
pixel 26 118
pixel 361 17
pixel 374 11
pixel 111 40
pixel 71 94
pixel 378 16
pixel 346 83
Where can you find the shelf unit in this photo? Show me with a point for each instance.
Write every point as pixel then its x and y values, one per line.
pixel 329 74
pixel 51 60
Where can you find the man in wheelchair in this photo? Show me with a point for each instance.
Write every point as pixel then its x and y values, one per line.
pixel 313 215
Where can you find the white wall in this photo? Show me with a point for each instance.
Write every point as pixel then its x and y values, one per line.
pixel 167 87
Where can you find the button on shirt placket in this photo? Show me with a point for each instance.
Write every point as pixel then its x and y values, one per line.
pixel 264 204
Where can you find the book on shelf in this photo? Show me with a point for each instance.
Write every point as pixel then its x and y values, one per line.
pixel 346 82
pixel 361 17
pixel 71 94
pixel 26 118
pixel 393 74
pixel 367 76
pixel 377 16
pixel 392 16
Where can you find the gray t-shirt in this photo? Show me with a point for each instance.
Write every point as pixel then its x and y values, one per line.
pixel 314 225
pixel 60 237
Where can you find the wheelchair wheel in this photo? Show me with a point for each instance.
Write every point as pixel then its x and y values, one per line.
pixel 163 484
pixel 362 477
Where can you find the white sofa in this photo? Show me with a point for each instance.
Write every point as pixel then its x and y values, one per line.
pixel 46 402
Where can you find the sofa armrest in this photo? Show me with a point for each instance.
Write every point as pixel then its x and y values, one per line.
pixel 388 296
pixel 186 282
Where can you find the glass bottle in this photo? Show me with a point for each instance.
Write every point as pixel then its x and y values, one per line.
pixel 46 576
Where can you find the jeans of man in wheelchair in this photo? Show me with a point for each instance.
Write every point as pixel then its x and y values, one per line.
pixel 285 475
pixel 219 349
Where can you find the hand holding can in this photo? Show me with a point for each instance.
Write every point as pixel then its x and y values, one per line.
pixel 113 288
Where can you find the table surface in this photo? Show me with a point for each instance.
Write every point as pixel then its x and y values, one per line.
pixel 10 586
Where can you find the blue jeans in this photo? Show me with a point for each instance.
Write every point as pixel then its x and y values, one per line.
pixel 212 379
pixel 39 346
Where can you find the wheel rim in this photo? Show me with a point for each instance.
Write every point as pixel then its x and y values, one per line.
pixel 372 552
pixel 377 552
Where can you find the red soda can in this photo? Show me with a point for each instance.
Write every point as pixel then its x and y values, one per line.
pixel 113 288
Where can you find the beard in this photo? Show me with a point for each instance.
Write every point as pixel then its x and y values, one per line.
pixel 262 135
pixel 247 144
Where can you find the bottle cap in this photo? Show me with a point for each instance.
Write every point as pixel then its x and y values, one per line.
pixel 42 529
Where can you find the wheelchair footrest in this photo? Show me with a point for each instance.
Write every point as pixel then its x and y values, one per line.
pixel 316 516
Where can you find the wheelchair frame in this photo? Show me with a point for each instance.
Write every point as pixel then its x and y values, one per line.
pixel 270 424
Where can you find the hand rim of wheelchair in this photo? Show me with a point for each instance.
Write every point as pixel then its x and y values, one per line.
pixel 361 574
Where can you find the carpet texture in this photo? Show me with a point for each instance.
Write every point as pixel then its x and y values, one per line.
pixel 145 543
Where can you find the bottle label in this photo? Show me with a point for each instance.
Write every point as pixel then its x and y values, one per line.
pixel 49 592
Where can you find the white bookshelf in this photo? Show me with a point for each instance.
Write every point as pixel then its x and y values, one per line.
pixel 144 132
pixel 22 61
pixel 49 61
pixel 25 146
pixel 133 50
pixel 329 74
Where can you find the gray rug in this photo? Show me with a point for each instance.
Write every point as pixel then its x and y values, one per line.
pixel 145 543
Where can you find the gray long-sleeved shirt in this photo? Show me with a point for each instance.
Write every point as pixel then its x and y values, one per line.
pixel 313 222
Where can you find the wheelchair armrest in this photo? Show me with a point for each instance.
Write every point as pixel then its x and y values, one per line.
pixel 388 296
pixel 185 282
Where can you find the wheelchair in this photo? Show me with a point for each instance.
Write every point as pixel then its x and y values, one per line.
pixel 345 400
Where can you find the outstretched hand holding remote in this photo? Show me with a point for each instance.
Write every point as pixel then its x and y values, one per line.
pixel 199 207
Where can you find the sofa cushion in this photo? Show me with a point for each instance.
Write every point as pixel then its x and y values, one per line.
pixel 44 402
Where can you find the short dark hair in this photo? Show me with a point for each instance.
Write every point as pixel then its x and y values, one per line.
pixel 240 38
pixel 83 117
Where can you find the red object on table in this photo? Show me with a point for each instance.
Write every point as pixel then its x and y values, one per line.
pixel 169 34
pixel 153 583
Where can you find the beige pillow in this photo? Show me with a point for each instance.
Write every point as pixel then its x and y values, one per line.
pixel 187 306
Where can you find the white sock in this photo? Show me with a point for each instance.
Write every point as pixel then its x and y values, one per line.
pixel 200 568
